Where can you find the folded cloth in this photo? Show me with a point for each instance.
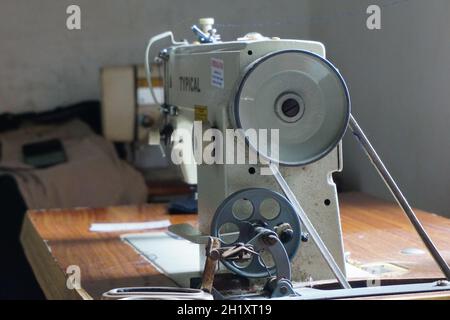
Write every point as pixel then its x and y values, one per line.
pixel 93 176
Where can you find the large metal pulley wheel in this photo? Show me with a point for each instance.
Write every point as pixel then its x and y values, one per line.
pixel 303 96
pixel 247 213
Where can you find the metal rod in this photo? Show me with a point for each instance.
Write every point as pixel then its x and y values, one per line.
pixel 399 197
pixel 211 265
pixel 310 228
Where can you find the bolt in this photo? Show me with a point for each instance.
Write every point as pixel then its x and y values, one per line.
pixel 290 108
pixel 442 283
pixel 284 232
pixel 214 254
pixel 270 239
pixel 286 235
pixel 173 111
pixel 305 237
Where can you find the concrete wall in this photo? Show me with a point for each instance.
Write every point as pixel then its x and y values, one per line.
pixel 399 78
pixel 44 65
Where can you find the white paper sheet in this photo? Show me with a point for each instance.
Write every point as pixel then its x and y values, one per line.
pixel 177 258
pixel 118 227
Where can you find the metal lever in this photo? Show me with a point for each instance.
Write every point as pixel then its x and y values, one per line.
pixel 398 195
pixel 211 265
pixel 268 240
pixel 237 252
pixel 202 37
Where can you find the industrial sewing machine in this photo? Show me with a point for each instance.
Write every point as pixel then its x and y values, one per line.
pixel 275 219
pixel 129 112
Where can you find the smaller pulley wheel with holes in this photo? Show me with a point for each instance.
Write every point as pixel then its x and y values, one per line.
pixel 239 215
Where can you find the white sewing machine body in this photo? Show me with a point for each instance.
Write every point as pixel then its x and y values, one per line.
pixel 203 79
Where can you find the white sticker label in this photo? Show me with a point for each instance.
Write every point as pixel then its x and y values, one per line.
pixel 217 73
pixel 144 96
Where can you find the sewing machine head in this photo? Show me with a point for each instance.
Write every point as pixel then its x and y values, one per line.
pixel 258 123
pixel 276 101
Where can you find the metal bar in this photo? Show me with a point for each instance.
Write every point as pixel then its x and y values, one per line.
pixel 211 265
pixel 399 197
pixel 381 292
pixel 277 251
pixel 310 228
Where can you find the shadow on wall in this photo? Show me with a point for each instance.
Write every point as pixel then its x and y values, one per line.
pixel 398 78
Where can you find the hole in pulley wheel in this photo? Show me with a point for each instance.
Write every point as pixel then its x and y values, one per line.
pixel 229 233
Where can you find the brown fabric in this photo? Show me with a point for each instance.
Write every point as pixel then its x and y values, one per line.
pixel 93 176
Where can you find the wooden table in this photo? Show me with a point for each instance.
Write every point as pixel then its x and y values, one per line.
pixel 374 231
pixel 157 189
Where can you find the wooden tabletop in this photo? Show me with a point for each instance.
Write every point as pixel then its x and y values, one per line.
pixel 374 231
pixel 168 188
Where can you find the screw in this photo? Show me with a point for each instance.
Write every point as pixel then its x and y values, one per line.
pixel 305 237
pixel 286 235
pixel 284 232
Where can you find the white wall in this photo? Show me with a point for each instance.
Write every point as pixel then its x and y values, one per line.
pixel 399 78
pixel 43 65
